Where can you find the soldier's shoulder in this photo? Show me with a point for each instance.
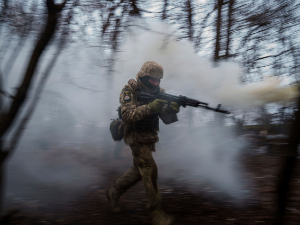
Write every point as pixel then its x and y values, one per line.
pixel 126 87
pixel 125 95
pixel 132 83
pixel 162 90
pixel 128 91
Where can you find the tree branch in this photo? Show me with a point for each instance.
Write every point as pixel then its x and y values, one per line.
pixel 6 119
pixel 20 129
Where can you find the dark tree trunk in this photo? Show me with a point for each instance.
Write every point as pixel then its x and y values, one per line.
pixel 287 167
pixel 229 25
pixel 219 118
pixel 2 167
pixel 7 119
pixel 135 10
pixel 189 9
pixel 164 12
pixel 219 4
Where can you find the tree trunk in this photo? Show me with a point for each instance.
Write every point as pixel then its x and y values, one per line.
pixel 135 10
pixel 2 167
pixel 189 9
pixel 287 167
pixel 219 4
pixel 165 9
pixel 7 119
pixel 229 25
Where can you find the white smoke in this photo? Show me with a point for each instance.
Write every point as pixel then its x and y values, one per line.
pixel 208 153
pixel 184 71
pixel 80 93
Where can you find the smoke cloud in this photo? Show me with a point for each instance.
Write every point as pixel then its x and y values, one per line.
pixel 184 71
pixel 81 97
pixel 203 149
pixel 194 152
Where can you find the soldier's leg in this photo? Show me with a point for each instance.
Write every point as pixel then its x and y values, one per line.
pixel 147 167
pixel 144 161
pixel 129 178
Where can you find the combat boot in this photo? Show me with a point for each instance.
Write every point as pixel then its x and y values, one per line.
pixel 161 218
pixel 113 196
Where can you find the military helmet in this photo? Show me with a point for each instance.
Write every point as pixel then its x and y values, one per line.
pixel 151 69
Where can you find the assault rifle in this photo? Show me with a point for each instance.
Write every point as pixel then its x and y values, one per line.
pixel 181 100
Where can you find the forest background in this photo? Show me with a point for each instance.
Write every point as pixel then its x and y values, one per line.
pixel 63 64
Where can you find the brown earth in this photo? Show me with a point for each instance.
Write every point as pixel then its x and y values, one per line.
pixel 187 206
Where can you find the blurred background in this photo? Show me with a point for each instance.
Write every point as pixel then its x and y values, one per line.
pixel 63 65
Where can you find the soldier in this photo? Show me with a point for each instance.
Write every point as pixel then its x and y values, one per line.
pixel 140 126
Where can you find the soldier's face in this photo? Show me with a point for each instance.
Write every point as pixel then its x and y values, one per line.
pixel 154 81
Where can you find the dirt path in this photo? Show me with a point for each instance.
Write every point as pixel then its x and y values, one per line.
pixel 188 207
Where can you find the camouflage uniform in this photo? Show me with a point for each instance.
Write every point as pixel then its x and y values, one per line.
pixel 140 127
pixel 135 115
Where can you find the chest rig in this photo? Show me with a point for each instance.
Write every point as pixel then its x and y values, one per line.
pixel 149 123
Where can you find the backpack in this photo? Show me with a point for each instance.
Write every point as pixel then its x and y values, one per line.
pixel 114 127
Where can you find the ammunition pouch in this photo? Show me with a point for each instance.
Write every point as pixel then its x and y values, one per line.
pixel 147 124
pixel 114 130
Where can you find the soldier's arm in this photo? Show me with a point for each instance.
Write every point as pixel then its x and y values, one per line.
pixel 167 115
pixel 130 112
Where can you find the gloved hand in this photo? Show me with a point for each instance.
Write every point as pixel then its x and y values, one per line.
pixel 157 105
pixel 175 106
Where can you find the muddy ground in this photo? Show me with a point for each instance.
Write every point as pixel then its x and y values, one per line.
pixel 188 206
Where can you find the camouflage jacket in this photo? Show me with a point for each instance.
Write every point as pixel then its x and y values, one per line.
pixel 134 113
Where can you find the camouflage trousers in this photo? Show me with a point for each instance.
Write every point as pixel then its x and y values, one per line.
pixel 145 169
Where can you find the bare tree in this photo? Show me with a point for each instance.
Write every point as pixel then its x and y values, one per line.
pixel 287 167
pixel 8 118
pixel 219 6
pixel 229 27
pixel 165 10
